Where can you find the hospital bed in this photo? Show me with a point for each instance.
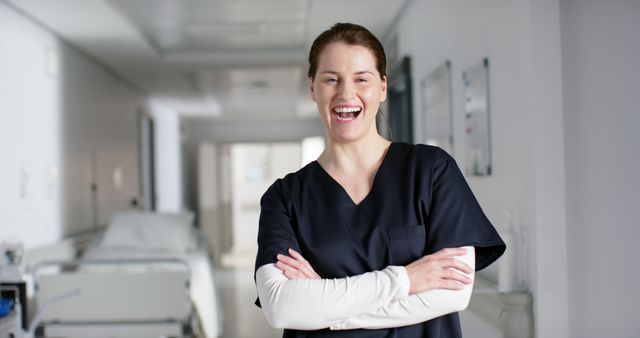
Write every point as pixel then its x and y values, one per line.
pixel 146 275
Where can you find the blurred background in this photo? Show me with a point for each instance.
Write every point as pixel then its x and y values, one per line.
pixel 119 118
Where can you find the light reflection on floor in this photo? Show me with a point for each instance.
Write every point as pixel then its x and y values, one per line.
pixel 240 317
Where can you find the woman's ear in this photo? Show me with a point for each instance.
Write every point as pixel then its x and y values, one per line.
pixel 383 93
pixel 312 90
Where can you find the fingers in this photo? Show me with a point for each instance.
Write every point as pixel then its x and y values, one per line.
pixel 293 275
pixel 289 261
pixel 450 285
pixel 301 259
pixel 295 267
pixel 288 270
pixel 444 263
pixel 453 275
pixel 440 270
pixel 451 280
pixel 448 252
pixel 297 256
pixel 445 257
pixel 453 263
pixel 308 269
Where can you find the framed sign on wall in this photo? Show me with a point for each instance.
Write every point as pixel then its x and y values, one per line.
pixel 400 99
pixel 437 108
pixel 477 119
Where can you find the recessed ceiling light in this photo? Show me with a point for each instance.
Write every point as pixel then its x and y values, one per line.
pixel 259 84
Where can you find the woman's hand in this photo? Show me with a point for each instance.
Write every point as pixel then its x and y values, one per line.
pixel 439 270
pixel 295 267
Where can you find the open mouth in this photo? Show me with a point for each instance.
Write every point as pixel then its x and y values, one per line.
pixel 347 113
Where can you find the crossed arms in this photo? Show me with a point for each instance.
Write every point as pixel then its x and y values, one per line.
pixel 293 296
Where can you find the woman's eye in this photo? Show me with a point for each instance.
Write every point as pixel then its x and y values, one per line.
pixel 331 80
pixel 361 80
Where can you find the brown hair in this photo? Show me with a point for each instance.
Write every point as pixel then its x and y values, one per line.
pixel 351 34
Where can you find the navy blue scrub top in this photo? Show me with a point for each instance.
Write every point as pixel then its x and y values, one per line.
pixel 419 203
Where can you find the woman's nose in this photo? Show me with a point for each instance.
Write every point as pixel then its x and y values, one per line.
pixel 346 90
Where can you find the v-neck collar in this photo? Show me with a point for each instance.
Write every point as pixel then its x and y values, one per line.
pixel 385 159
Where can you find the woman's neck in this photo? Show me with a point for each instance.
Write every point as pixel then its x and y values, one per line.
pixel 354 156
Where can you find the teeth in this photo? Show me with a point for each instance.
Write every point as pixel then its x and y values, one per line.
pixel 347 109
pixel 346 116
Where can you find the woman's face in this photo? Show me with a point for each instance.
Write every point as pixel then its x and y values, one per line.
pixel 348 91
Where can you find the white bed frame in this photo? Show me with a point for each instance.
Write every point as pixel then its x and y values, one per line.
pixel 133 298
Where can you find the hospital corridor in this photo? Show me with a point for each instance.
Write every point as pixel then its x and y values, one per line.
pixel 157 156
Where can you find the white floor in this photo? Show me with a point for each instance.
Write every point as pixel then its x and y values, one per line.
pixel 474 327
pixel 240 317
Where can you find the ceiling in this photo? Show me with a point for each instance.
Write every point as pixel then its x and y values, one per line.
pixel 231 59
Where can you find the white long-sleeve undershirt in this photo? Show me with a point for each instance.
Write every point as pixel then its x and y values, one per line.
pixel 311 304
pixel 371 300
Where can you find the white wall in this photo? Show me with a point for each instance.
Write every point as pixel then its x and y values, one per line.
pixel 168 157
pixel 65 123
pixel 600 47
pixel 208 195
pixel 275 160
pixel 522 41
pixel 30 144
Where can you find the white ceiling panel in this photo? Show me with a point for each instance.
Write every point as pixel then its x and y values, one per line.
pixel 225 58
pixel 207 26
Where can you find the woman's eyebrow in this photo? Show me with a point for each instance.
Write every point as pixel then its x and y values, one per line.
pixel 356 73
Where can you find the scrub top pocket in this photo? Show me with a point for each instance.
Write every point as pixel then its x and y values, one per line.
pixel 407 244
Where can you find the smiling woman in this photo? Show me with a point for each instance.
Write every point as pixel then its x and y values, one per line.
pixel 347 71
pixel 372 235
pixel 348 90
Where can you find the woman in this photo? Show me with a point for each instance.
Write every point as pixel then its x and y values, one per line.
pixel 374 239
